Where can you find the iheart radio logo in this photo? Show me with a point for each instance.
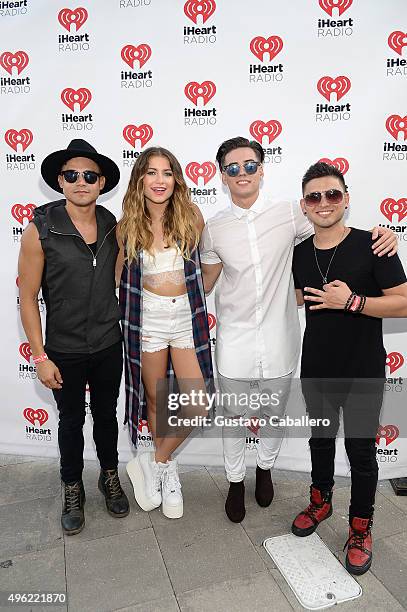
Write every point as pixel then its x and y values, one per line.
pixel 328 86
pixel 143 427
pixel 272 45
pixel 143 133
pixel 394 361
pixel 211 321
pixel 390 207
pixel 397 40
pixel 340 163
pixel 329 5
pixel 396 124
pixel 13 138
pixel 18 60
pixel 141 53
pixel 196 8
pixel 271 129
pixel 39 415
pixel 388 432
pixel 205 90
pixel 76 17
pixel 25 351
pixel 21 212
pixel 195 171
pixel 81 96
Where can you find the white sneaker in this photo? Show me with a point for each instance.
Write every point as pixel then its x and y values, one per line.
pixel 173 504
pixel 145 475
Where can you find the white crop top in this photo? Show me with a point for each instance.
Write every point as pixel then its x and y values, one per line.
pixel 163 267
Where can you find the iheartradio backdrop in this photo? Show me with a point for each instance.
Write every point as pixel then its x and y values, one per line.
pixel 324 79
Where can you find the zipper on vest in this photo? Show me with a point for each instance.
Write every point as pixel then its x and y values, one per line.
pixel 88 247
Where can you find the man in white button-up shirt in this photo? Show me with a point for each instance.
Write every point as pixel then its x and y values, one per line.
pixel 258 332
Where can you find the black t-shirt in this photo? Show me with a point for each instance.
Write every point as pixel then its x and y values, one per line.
pixel 339 344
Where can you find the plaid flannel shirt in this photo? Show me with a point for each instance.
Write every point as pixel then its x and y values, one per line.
pixel 131 303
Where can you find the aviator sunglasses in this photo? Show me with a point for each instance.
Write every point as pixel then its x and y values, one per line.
pixel 333 196
pixel 71 176
pixel 250 167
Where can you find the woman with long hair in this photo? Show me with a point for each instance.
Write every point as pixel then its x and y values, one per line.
pixel 164 316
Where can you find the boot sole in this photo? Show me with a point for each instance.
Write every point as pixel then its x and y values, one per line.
pixel 135 473
pixel 358 571
pixel 302 533
pixel 173 512
pixel 72 531
pixel 114 514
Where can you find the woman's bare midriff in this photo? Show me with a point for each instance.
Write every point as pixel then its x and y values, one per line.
pixel 167 289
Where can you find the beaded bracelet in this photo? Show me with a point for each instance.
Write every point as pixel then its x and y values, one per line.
pixel 349 302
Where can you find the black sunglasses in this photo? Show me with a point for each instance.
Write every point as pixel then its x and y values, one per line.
pixel 71 176
pixel 333 196
pixel 250 167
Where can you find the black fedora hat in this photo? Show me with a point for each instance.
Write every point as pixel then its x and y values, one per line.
pixel 52 164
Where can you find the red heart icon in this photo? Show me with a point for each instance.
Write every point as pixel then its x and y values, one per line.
pixel 205 90
pixel 271 129
pixel 81 96
pixel 21 212
pixel 396 124
pixel 130 54
pixel 328 86
pixel 132 133
pixel 195 171
pixel 272 45
pixel 18 60
pixel 211 321
pixel 77 17
pixel 340 163
pixel 13 138
pixel 25 351
pixel 39 415
pixel 194 8
pixel 329 5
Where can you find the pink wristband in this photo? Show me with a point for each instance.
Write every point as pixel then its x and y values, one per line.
pixel 40 358
pixel 355 304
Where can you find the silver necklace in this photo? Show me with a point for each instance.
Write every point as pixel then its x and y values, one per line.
pixel 325 276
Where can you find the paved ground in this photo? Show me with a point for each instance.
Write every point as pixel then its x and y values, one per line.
pixel 202 562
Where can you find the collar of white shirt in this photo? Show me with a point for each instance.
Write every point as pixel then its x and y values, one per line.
pixel 254 208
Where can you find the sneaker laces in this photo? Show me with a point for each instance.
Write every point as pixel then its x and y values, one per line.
pixel 171 480
pixel 112 483
pixel 72 496
pixel 157 471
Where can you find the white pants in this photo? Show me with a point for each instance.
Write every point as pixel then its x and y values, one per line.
pixel 234 436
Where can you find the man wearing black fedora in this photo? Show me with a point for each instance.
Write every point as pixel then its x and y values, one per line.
pixel 69 250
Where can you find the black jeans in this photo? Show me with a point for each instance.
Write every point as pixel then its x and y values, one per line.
pixel 361 402
pixel 103 372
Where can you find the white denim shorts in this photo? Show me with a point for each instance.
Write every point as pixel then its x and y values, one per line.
pixel 167 321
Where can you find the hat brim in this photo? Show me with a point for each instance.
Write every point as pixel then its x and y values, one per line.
pixel 52 165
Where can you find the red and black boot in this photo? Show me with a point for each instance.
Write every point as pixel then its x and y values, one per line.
pixel 359 555
pixel 319 509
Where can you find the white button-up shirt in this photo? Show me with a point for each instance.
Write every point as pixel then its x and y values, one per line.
pixel 258 331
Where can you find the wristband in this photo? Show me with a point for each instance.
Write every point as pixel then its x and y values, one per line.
pixel 40 358
pixel 355 304
pixel 349 301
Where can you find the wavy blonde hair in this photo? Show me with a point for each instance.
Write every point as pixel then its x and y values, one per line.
pixel 179 219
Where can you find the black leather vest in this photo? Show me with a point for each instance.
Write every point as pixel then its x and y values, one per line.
pixel 78 288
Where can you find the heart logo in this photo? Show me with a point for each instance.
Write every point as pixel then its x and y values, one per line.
pixel 13 138
pixel 390 207
pixel 76 17
pixel 81 96
pixel 396 124
pixel 144 133
pixel 195 171
pixel 195 8
pixel 388 432
pixel 130 54
pixel 18 60
pixel 211 321
pixel 329 5
pixel 328 86
pixel 340 163
pixel 21 212
pixel 272 45
pixel 254 425
pixel 271 129
pixel 205 90
pixel 397 40
pixel 39 415
pixel 394 361
pixel 25 351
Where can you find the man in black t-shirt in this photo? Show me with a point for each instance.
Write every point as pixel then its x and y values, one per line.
pixel 347 291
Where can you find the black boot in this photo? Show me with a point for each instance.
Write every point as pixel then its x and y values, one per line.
pixel 73 515
pixel 264 492
pixel 234 505
pixel 117 503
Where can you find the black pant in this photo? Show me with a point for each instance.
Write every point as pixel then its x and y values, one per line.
pixel 361 402
pixel 102 371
